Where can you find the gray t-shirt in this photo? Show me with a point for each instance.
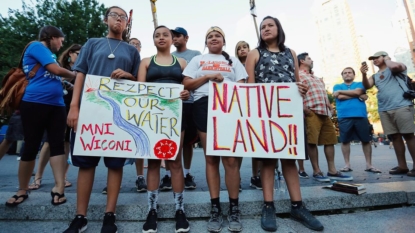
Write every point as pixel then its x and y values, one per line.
pixel 390 94
pixel 187 55
pixel 93 57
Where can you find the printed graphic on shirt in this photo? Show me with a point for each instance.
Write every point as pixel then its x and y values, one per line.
pixel 216 66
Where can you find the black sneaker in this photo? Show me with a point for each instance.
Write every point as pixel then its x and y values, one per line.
pixel 78 225
pixel 104 191
pixel 182 225
pixel 141 185
pixel 303 174
pixel 108 225
pixel 268 218
pixel 304 216
pixel 189 182
pixel 165 183
pixel 256 182
pixel 150 226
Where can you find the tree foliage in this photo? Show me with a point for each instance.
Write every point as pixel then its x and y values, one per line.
pixel 372 105
pixel 78 19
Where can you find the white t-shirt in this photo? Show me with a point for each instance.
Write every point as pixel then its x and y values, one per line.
pixel 211 64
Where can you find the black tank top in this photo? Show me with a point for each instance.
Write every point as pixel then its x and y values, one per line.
pixel 164 73
pixel 275 67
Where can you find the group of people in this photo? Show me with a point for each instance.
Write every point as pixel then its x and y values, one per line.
pixel 45 109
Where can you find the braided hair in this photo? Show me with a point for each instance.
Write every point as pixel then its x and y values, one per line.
pixel 47 32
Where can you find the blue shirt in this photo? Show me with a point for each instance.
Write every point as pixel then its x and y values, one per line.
pixel 351 107
pixel 44 87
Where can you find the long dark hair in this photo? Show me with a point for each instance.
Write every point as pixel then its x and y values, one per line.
pixel 63 58
pixel 47 32
pixel 280 37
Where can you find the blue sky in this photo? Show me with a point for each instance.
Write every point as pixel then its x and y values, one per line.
pixel 372 19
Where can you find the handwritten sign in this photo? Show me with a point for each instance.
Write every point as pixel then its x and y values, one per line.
pixel 255 120
pixel 120 118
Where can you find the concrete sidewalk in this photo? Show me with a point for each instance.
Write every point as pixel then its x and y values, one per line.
pixel 399 220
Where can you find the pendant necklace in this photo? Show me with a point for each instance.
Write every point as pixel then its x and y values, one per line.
pixel 112 56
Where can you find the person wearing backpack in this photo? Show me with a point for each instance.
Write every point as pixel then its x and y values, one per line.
pixel 395 106
pixel 42 109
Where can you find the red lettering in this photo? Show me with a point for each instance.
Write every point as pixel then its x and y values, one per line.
pixel 102 145
pixel 258 93
pixel 107 129
pixel 215 137
pixel 281 130
pixel 127 143
pixel 216 97
pixel 281 99
pixel 248 98
pixel 113 145
pixel 119 145
pixel 235 95
pixel 237 133
pixel 97 147
pixel 263 142
pixel 87 146
pixel 89 127
pixel 268 105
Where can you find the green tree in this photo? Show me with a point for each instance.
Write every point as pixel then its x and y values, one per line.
pixel 372 105
pixel 78 19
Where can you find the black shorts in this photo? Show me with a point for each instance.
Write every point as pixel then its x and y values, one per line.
pixel 92 161
pixel 200 113
pixel 354 129
pixel 190 135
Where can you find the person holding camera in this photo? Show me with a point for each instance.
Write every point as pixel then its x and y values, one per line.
pixel 395 106
pixel 352 118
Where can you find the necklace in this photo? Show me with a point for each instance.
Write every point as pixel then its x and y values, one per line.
pixel 112 56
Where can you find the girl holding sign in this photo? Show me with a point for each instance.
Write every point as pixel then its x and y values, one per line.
pixel 111 57
pixel 216 66
pixel 165 68
pixel 262 67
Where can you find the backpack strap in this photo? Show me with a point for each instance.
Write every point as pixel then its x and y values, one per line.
pixel 34 70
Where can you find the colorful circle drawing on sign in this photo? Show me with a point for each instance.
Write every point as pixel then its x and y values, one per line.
pixel 165 149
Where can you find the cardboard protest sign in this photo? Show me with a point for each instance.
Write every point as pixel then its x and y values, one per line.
pixel 255 120
pixel 126 119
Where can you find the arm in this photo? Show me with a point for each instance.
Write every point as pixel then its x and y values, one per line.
pixel 367 82
pixel 344 97
pixel 57 70
pixel 76 98
pixel 194 83
pixel 395 67
pixel 351 93
pixel 142 70
pixel 119 73
pixel 251 60
pixel 297 68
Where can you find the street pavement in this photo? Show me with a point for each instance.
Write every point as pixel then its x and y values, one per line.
pixel 383 209
pixel 383 158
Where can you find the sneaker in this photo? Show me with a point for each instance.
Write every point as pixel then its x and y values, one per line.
pixel 268 218
pixel 304 216
pixel 150 226
pixel 189 182
pixel 141 185
pixel 104 191
pixel 78 225
pixel 182 225
pixel 165 183
pixel 256 182
pixel 339 176
pixel 108 225
pixel 303 174
pixel 215 221
pixel 234 220
pixel 320 177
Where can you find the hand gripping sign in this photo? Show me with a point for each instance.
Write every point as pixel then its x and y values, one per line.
pixel 126 119
pixel 255 120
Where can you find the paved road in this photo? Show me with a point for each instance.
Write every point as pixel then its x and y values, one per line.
pixel 383 158
pixel 391 220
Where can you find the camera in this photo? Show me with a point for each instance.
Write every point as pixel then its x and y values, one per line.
pixel 409 94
